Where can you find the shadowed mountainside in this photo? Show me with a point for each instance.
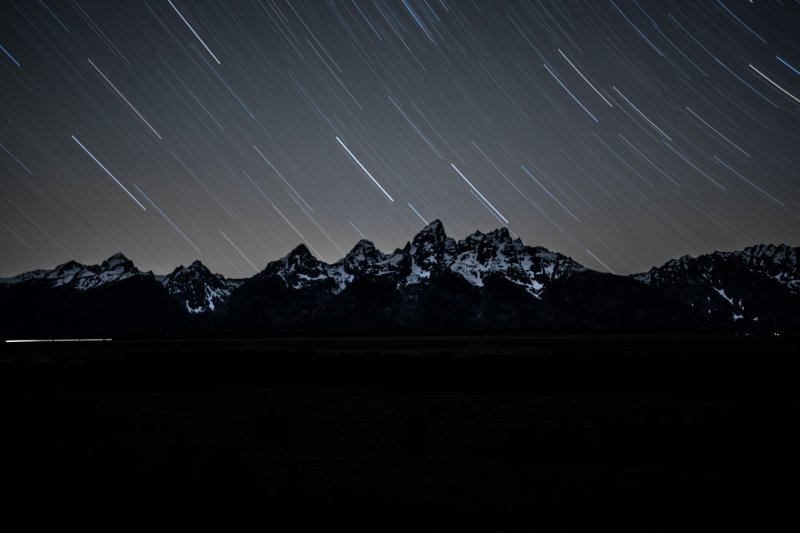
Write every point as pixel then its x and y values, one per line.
pixel 488 283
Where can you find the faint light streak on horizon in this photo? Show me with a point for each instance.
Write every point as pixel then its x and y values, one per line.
pixel 55 340
pixel 107 172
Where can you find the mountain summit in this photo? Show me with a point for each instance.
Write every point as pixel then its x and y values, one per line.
pixel 433 284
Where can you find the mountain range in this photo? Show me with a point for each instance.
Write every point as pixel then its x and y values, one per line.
pixel 484 283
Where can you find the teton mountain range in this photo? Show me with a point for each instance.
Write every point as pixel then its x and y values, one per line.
pixel 484 283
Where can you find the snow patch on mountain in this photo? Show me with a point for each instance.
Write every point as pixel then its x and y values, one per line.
pixel 82 277
pixel 197 288
pixel 716 277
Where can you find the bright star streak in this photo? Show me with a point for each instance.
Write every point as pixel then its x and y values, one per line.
pixel 570 93
pixel 195 34
pixel 109 173
pixel 598 260
pixel 123 97
pixel 357 230
pixel 779 58
pixel 740 21
pixel 584 78
pixel 417 213
pixel 479 194
pixel 237 248
pixel 784 91
pixel 6 52
pixel 365 170
pixel 168 219
pixel 642 114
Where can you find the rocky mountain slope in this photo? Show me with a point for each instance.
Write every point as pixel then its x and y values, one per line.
pixel 486 282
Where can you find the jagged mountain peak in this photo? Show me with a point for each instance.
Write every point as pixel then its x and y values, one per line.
pixel 300 254
pixel 501 235
pixel 362 247
pixel 744 287
pixel 69 265
pixel 782 256
pixel 118 261
pixel 197 288
pixel 769 250
pixel 363 254
pixel 430 246
pixel 434 227
pixel 756 287
pixel 195 268
pixel 431 235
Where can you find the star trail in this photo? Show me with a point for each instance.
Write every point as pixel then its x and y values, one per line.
pixel 230 132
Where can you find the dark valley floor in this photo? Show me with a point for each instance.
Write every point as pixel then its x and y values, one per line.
pixel 560 433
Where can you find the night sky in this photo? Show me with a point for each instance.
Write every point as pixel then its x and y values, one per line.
pixel 620 133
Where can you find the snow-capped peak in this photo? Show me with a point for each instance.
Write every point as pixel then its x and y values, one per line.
pixel 118 262
pixel 82 277
pixel 495 253
pixel 736 285
pixel 361 256
pixel 779 262
pixel 197 288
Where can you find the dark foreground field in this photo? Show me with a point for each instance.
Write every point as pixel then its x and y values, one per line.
pixel 493 434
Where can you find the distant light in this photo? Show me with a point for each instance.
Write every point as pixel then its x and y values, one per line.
pixel 56 340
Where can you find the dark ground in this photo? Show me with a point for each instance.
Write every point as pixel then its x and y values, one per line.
pixel 493 434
